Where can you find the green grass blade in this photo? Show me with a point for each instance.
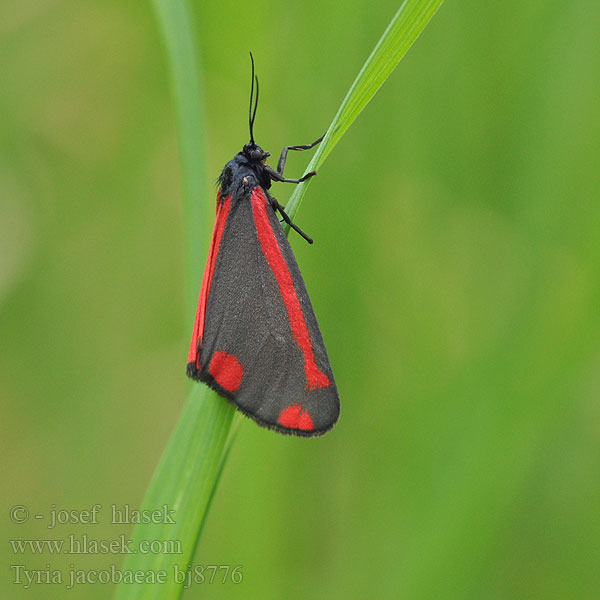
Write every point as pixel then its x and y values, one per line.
pixel 184 481
pixel 187 475
pixel 403 30
pixel 176 21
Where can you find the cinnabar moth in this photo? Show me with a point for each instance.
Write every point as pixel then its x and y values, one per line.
pixel 256 340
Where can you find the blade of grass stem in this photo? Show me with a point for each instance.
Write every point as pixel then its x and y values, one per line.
pixel 184 483
pixel 186 477
pixel 403 30
pixel 177 24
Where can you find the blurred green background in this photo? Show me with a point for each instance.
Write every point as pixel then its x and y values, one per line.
pixel 455 275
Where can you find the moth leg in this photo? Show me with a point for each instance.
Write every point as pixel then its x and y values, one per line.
pixel 283 157
pixel 275 204
pixel 273 174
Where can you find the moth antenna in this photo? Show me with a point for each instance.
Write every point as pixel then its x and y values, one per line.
pixel 255 106
pixel 250 117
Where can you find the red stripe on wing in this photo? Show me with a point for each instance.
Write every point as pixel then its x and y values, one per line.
pixel 315 378
pixel 198 331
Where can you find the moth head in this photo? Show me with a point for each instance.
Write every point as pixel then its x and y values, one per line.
pixel 254 153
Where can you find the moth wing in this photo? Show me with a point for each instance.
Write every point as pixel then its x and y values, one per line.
pixel 259 343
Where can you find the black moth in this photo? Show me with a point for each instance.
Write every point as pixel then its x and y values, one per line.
pixel 256 340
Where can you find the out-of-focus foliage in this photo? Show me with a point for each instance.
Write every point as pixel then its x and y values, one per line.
pixel 454 273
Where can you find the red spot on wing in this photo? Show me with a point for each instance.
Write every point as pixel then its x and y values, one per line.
pixel 293 417
pixel 198 331
pixel 227 371
pixel 315 378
